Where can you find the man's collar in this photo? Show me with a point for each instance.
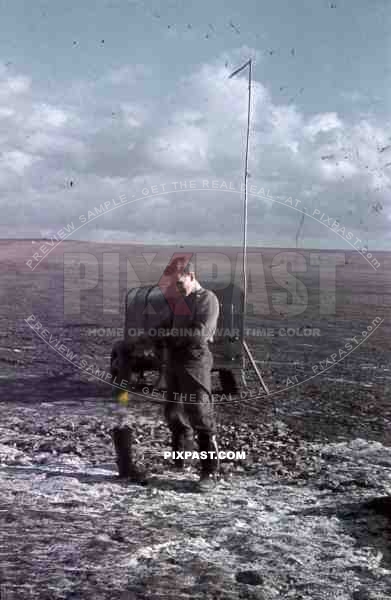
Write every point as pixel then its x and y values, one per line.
pixel 197 286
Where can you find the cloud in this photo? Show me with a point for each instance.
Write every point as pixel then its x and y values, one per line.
pixel 16 161
pixel 46 115
pixel 74 149
pixel 14 85
pixel 6 112
pixel 133 115
pixel 322 123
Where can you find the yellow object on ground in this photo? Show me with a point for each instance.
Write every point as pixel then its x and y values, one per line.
pixel 123 397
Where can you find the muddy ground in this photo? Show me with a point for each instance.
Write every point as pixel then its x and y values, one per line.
pixel 287 522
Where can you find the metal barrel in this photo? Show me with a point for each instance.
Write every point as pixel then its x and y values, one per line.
pixel 148 310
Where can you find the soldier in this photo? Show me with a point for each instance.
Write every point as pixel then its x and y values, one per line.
pixel 189 395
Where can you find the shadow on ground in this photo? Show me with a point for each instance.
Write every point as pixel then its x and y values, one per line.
pixel 367 521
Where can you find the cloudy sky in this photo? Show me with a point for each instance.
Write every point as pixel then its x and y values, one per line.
pixel 102 99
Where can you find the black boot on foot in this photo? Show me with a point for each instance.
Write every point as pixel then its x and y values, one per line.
pixel 209 466
pixel 122 438
pixel 182 441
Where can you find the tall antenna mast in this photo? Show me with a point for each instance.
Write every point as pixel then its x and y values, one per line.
pixel 243 341
pixel 249 65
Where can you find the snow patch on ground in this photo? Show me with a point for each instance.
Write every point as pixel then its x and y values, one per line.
pixel 71 529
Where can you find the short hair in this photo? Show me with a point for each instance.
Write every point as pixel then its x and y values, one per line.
pixel 180 263
pixel 189 268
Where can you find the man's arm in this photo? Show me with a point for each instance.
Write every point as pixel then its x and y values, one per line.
pixel 204 324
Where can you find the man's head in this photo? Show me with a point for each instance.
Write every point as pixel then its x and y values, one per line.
pixel 183 273
pixel 186 279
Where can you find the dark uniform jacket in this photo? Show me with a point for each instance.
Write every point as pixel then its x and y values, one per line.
pixel 191 332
